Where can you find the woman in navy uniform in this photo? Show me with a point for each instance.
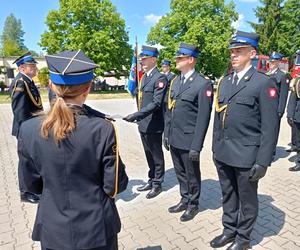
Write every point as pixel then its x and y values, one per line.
pixel 25 102
pixel 244 138
pixel 70 156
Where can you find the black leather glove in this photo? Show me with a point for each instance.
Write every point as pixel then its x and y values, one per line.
pixel 290 121
pixel 257 172
pixel 130 118
pixel 280 115
pixel 166 144
pixel 194 155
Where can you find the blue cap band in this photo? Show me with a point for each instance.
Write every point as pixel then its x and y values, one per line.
pixel 71 79
pixel 241 39
pixel 149 53
pixel 189 52
pixel 25 59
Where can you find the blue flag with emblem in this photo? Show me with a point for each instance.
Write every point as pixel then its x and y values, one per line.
pixel 133 75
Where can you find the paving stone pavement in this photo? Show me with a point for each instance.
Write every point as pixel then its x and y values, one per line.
pixel 146 224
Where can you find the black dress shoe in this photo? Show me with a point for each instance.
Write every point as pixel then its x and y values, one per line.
pixel 178 208
pixel 238 246
pixel 189 214
pixel 154 192
pixel 29 197
pixel 146 187
pixel 222 240
pixel 295 168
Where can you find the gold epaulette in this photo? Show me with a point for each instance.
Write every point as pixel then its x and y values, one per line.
pixel 116 150
pixel 224 107
pixel 140 93
pixel 171 103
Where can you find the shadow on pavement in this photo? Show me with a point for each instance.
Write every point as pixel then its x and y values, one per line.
pixel 130 193
pixel 150 248
pixel 281 153
pixel 210 197
pixel 269 222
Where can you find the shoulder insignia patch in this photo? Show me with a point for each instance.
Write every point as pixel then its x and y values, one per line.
pixel 161 85
pixel 208 93
pixel 272 92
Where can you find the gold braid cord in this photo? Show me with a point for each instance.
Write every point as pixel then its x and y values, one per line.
pixel 117 161
pixel 224 107
pixel 171 103
pixel 140 93
pixel 296 86
pixel 37 103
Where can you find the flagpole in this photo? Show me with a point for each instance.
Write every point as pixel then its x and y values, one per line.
pixel 137 61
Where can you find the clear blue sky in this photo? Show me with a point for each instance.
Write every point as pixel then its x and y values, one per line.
pixel 139 15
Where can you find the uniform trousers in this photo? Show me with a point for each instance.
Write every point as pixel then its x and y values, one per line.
pixel 152 144
pixel 112 244
pixel 240 202
pixel 296 126
pixel 188 175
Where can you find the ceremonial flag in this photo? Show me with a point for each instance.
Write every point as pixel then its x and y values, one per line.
pixel 133 80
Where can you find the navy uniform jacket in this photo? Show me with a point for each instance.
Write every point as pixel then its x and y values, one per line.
pixel 26 101
pixel 78 180
pixel 293 108
pixel 152 91
pixel 282 85
pixel 191 112
pixel 246 131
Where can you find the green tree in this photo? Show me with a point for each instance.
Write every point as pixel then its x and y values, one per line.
pixel 12 37
pixel 93 26
pixel 268 27
pixel 43 76
pixel 205 23
pixel 289 40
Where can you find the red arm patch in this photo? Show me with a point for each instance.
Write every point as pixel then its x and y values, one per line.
pixel 272 92
pixel 161 85
pixel 209 93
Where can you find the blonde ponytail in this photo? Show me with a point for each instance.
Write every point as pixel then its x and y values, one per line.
pixel 61 118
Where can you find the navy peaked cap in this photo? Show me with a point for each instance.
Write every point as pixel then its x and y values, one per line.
pixel 70 67
pixel 186 49
pixel 275 56
pixel 243 39
pixel 25 59
pixel 148 51
pixel 166 62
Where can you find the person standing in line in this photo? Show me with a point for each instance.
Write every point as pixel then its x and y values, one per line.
pixel 293 118
pixel 244 138
pixel 150 118
pixel 25 102
pixel 282 84
pixel 70 156
pixel 190 103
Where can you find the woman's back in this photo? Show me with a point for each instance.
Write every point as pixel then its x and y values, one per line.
pixel 76 177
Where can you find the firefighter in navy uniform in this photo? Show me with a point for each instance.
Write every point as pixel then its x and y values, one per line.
pixel 190 102
pixel 149 116
pixel 166 69
pixel 70 156
pixel 293 116
pixel 282 83
pixel 244 138
pixel 26 101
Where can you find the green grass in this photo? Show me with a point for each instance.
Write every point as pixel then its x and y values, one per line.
pixel 97 95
